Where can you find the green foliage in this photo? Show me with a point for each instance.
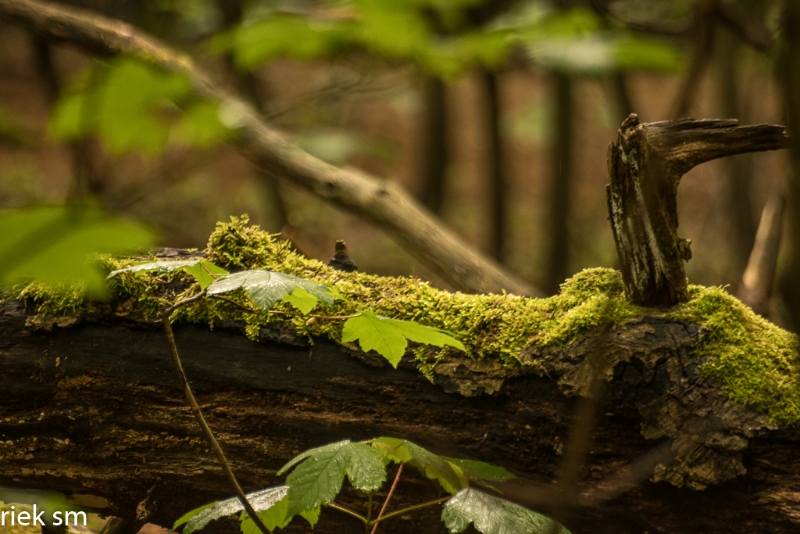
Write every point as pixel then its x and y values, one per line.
pixel 319 474
pixel 200 517
pixel 204 272
pixel 388 337
pixel 574 41
pixel 55 244
pixel 266 288
pixel 129 103
pixel 492 515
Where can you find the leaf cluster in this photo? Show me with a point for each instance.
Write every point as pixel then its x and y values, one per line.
pixel 316 477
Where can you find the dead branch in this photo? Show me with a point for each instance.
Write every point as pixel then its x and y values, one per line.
pixel 379 201
pixel 645 165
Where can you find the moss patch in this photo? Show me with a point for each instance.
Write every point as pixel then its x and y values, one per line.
pixel 755 361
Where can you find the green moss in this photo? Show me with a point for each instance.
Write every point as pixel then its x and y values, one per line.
pixel 754 360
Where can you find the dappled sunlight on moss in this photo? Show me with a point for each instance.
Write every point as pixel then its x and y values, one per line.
pixel 754 360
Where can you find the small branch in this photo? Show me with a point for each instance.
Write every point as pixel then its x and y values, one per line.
pixel 168 311
pixel 198 414
pixel 348 512
pixel 758 278
pixel 238 304
pixel 379 201
pixel 412 508
pixel 388 497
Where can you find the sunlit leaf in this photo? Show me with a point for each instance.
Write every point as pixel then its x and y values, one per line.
pixel 493 515
pixel 260 500
pixel 449 475
pixel 204 272
pixel 190 514
pixel 388 336
pixel 55 243
pixel 266 288
pixel 273 517
pixel 481 470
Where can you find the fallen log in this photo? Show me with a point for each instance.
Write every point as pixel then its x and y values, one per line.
pixel 695 429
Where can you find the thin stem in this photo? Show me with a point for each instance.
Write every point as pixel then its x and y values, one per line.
pixel 198 414
pixel 389 496
pixel 231 301
pixel 168 311
pixel 369 514
pixel 348 512
pixel 411 508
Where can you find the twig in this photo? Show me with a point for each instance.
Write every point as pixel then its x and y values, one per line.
pixel 412 508
pixel 181 303
pixel 389 496
pixel 348 512
pixel 231 301
pixel 198 414
pixel 379 201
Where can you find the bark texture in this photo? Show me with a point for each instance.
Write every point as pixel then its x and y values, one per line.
pixel 645 165
pixel 93 409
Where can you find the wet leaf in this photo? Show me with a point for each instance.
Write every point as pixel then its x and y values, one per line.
pixel 266 288
pixel 260 500
pixel 204 272
pixel 493 515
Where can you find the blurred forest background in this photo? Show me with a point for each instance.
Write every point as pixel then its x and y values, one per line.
pixel 495 115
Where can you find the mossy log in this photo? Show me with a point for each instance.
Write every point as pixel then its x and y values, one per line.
pixel 696 432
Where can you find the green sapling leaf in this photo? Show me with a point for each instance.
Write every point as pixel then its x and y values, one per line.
pixel 388 337
pixel 260 500
pixel 302 300
pixel 266 288
pixel 493 515
pixel 448 474
pixel 204 272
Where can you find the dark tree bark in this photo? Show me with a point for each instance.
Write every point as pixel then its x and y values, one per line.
pixel 560 185
pixel 498 186
pixel 645 165
pixel 435 142
pixel 94 409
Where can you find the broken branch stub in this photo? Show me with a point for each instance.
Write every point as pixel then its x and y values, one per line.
pixel 645 165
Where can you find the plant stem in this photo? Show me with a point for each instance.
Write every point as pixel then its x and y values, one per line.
pixel 231 301
pixel 198 414
pixel 389 496
pixel 184 302
pixel 369 514
pixel 348 512
pixel 410 508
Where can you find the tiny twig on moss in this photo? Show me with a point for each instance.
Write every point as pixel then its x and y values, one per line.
pixel 389 496
pixel 198 414
pixel 183 302
pixel 239 304
pixel 349 512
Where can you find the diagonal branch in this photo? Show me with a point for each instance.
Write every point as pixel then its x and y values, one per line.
pixel 376 200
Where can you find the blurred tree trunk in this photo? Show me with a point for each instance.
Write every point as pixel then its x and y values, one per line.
pixel 253 89
pixel 558 198
pixel 789 78
pixel 740 207
pixel 434 138
pixel 496 163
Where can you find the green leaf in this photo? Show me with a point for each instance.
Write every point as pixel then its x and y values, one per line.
pixel 200 126
pixel 204 272
pixel 388 336
pixel 266 288
pixel 449 475
pixel 365 469
pixel 481 470
pixel 318 479
pixel 54 244
pixel 273 517
pixel 493 515
pixel 312 516
pixel 260 500
pixel 301 299
pixel 190 514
